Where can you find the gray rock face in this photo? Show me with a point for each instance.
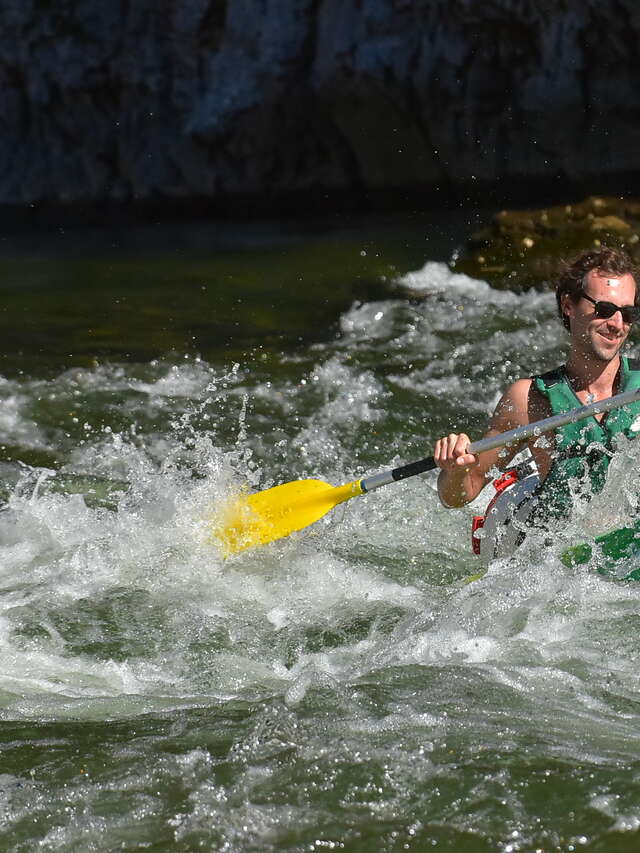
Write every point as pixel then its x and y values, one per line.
pixel 178 99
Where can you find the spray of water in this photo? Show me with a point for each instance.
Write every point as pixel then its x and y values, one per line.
pixel 375 675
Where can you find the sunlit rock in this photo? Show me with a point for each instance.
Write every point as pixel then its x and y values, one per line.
pixel 524 248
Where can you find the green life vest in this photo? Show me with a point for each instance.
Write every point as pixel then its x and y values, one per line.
pixel 584 448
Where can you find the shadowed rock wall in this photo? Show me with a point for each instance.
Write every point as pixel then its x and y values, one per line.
pixel 158 100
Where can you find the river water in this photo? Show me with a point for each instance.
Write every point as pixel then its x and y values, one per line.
pixel 343 689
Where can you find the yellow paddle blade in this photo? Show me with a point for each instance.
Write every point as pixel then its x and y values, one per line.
pixel 265 516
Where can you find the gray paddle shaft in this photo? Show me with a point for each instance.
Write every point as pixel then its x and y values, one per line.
pixel 505 439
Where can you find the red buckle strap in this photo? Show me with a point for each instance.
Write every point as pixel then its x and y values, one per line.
pixel 500 484
pixel 476 524
pixel 505 480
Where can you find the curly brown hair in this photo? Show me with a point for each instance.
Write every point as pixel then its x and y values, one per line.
pixel 605 260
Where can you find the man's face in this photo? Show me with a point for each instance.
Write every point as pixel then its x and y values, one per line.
pixel 597 337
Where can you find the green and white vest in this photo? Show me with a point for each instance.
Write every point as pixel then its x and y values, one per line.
pixel 583 449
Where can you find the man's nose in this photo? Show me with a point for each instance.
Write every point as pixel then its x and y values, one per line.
pixel 616 320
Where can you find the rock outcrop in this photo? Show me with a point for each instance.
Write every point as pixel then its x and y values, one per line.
pixel 160 100
pixel 520 249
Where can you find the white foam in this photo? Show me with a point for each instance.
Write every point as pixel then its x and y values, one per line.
pixel 112 613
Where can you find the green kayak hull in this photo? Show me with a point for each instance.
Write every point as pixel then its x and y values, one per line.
pixel 608 550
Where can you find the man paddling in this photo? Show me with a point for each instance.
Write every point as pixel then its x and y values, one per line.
pixel 598 302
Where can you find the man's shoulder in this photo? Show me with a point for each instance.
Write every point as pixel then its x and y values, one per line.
pixel 550 377
pixel 526 401
pixel 519 389
pixel 512 409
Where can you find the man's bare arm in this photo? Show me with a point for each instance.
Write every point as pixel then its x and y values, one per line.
pixel 463 474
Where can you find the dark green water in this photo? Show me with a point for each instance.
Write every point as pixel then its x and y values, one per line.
pixel 340 690
pixel 75 296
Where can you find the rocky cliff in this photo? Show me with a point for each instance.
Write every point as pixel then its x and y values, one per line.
pixel 165 100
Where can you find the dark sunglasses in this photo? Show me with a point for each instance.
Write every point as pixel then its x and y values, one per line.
pixel 604 310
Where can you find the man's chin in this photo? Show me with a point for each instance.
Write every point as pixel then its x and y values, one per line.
pixel 605 355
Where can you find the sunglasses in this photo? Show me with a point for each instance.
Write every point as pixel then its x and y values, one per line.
pixel 604 310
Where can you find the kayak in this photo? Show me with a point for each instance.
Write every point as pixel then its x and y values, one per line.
pixel 609 550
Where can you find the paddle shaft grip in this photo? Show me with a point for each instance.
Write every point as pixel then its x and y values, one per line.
pixel 396 474
pixel 504 439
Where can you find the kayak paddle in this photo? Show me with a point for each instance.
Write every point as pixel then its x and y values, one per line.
pixel 274 513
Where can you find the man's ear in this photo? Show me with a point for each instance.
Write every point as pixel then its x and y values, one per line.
pixel 567 305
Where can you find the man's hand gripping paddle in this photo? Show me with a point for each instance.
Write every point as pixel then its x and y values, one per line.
pixel 275 513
